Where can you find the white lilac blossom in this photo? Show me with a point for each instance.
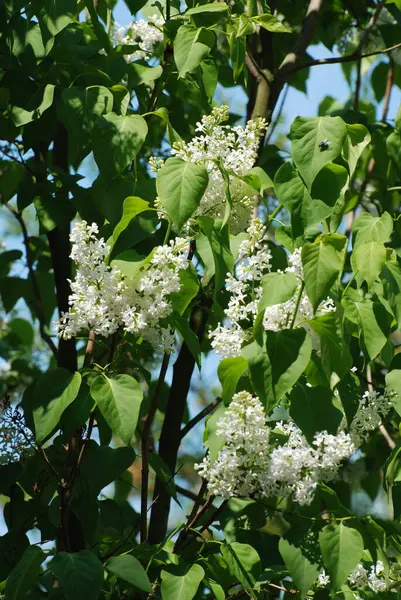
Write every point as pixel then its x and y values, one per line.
pixel 373 408
pixel 249 465
pixel 374 578
pixel 145 34
pixel 103 300
pixel 323 579
pixel 223 147
pixel 252 462
pixel 253 262
pixel 16 440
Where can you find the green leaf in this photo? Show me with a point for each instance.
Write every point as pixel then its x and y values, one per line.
pixel 119 400
pixel 23 577
pixel 334 351
pixel 210 76
pixel 36 106
pixel 237 54
pixel 163 114
pixel 116 142
pixel 393 382
pixel 189 336
pixel 128 568
pixel 132 207
pixel 257 179
pixel 367 261
pixel 79 111
pixel 144 74
pixel 306 134
pixel 219 240
pixel 289 351
pixel 367 228
pixel 180 187
pixel 372 320
pixel 243 563
pixel 342 549
pixel 12 173
pixel 229 371
pixel 164 474
pixel 322 263
pixel 54 391
pixel 271 23
pixel 356 141
pixel 391 279
pixel 303 572
pixel 313 410
pixel 191 46
pixel 121 99
pixel 189 282
pixel 350 395
pixel 22 330
pixel 101 465
pixel 129 263
pixel 276 288
pixel 55 15
pixel 210 7
pixel 260 373
pixel 11 290
pixel 245 26
pixel 80 574
pixel 181 583
pixel 308 208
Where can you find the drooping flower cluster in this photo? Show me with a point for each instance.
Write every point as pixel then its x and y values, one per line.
pixel 374 578
pixel 145 34
pixel 254 463
pixel 253 262
pixel 373 408
pixel 232 150
pixel 15 438
pixel 103 300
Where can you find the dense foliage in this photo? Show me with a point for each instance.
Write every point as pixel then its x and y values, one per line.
pixel 199 243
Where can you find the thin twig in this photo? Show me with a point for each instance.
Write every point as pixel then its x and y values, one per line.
pixel 145 446
pixel 38 305
pixel 192 522
pixel 276 121
pixel 389 87
pixel 342 59
pixel 291 60
pixel 370 25
pixel 390 442
pixel 197 418
pixel 186 493
pixel 358 85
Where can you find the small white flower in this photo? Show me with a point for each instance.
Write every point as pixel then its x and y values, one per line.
pixel 102 300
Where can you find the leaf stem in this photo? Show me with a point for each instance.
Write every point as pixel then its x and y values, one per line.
pixel 301 289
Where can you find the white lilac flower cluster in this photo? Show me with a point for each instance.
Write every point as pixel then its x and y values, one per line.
pixel 250 465
pixel 103 300
pixel 253 262
pixel 252 462
pixel 233 149
pixel 361 577
pixel 16 440
pixel 145 34
pixel 373 408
